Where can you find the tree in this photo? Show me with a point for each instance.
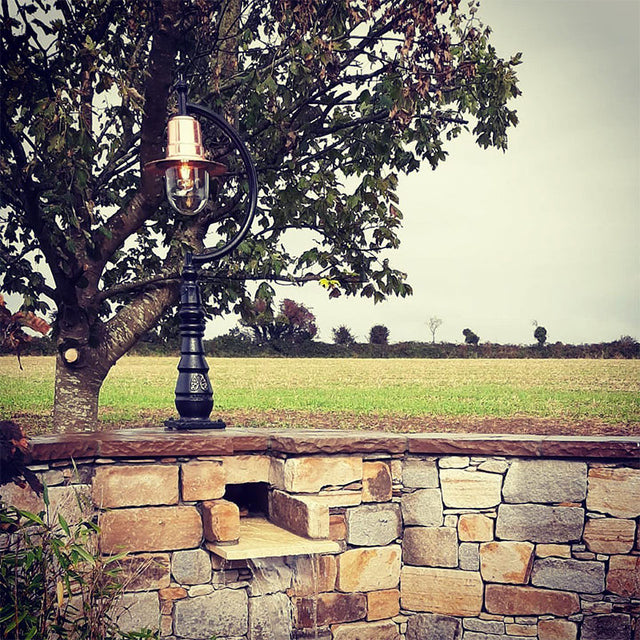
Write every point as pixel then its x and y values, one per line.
pixel 434 324
pixel 335 100
pixel 379 334
pixel 540 334
pixel 470 337
pixel 343 335
pixel 293 324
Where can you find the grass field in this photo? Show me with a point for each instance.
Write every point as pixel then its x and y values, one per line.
pixel 290 392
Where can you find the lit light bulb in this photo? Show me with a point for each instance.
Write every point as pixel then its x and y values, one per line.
pixel 187 187
pixel 185 167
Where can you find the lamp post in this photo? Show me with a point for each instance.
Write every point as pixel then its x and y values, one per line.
pixel 187 174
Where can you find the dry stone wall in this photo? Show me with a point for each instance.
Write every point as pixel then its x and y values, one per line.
pixel 432 546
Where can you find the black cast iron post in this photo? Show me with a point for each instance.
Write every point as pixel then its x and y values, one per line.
pixel 194 395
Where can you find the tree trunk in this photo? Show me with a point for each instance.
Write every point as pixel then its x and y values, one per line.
pixel 75 406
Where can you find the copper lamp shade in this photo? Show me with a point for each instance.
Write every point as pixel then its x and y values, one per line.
pixel 186 169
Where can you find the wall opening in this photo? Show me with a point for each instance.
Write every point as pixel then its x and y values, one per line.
pixel 252 498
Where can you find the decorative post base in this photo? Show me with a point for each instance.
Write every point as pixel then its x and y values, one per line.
pixel 181 424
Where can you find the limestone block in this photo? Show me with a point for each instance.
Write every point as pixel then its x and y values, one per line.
pixel 191 567
pixel 507 561
pixel 382 630
pixel 583 576
pixel 623 577
pixel 221 521
pixel 493 465
pixel 383 604
pixel 609 626
pixel 313 574
pixel 276 473
pixel 422 507
pixel 420 474
pixel 609 535
pixel 330 608
pixel 545 481
pixel 433 626
pixel 539 523
pixel 144 571
pixel 514 600
pixel 150 529
pixel 135 611
pixel 614 491
pixel 304 516
pixel 469 556
pixel 369 569
pixel 135 485
pixel 447 591
pixel 24 498
pixel 222 613
pixel 430 546
pixel 373 525
pixel 337 526
pixel 474 635
pixel 462 489
pixel 72 502
pixel 270 617
pixel 377 484
pixel 556 550
pixel 475 527
pixel 244 469
pixel 454 462
pixel 172 593
pixel 309 474
pixel 202 480
pixel 557 629
pixel 493 627
pixel 515 629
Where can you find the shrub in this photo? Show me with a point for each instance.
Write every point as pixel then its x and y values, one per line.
pixel 379 334
pixel 343 335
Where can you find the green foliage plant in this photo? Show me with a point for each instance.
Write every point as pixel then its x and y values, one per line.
pixel 293 324
pixel 342 335
pixel 379 334
pixel 470 337
pixel 54 584
pixel 540 334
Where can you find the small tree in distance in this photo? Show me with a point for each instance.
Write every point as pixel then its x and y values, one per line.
pixel 434 324
pixel 379 334
pixel 343 335
pixel 540 334
pixel 294 323
pixel 470 337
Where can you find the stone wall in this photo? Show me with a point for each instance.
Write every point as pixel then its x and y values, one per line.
pixel 439 538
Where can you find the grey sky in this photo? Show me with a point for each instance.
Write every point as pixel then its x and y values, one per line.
pixel 548 231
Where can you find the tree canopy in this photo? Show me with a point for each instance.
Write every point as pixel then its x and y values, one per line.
pixel 335 100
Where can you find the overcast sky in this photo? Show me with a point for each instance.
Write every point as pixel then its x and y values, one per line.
pixel 549 231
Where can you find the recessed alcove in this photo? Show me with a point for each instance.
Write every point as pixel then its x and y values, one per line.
pixel 252 498
pixel 274 532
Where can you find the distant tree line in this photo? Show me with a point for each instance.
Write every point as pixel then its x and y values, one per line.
pixel 290 330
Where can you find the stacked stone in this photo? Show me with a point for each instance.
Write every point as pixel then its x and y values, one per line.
pixel 495 550
pixel 431 547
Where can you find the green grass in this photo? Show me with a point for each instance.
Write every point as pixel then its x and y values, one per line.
pixel 604 390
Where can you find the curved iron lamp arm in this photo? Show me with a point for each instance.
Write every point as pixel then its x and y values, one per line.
pixel 194 394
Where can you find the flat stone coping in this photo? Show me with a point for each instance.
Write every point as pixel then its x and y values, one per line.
pixel 162 443
pixel 260 538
